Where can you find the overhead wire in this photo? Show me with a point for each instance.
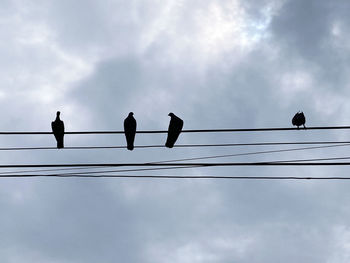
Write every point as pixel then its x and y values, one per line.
pixel 346 143
pixel 314 159
pixel 131 170
pixel 183 177
pixel 200 166
pixel 176 160
pixel 250 153
pixel 302 162
pixel 217 164
pixel 50 170
pixel 167 161
pixel 184 159
pixel 341 143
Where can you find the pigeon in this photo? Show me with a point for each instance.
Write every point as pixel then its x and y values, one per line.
pixel 174 130
pixel 299 119
pixel 58 130
pixel 130 130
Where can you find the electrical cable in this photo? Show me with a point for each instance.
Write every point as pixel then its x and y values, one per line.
pixel 186 159
pixel 341 143
pixel 50 170
pixel 177 164
pixel 131 170
pixel 198 166
pixel 251 153
pixel 183 177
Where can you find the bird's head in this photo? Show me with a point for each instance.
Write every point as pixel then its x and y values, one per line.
pixel 58 114
pixel 171 114
pixel 131 113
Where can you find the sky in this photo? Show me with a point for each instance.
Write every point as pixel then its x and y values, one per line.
pixel 215 64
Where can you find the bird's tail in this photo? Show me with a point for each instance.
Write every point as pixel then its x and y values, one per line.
pixel 60 144
pixel 130 147
pixel 169 144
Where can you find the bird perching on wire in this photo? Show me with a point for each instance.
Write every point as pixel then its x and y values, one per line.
pixel 58 130
pixel 130 130
pixel 174 130
pixel 299 119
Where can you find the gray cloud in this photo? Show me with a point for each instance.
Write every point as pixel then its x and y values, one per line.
pixel 215 64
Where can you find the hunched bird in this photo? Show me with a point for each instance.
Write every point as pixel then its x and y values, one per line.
pixel 174 130
pixel 130 130
pixel 299 119
pixel 58 130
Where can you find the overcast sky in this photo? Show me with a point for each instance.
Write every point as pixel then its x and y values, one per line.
pixel 215 64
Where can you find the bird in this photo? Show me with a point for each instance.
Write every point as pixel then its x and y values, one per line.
pixel 58 130
pixel 130 130
pixel 299 119
pixel 174 130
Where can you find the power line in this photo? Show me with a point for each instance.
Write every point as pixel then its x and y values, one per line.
pixel 183 177
pixel 184 131
pixel 341 143
pixel 159 168
pixel 251 153
pixel 131 170
pixel 50 170
pixel 178 164
pixel 314 159
pixel 260 144
pixel 197 166
pixel 186 159
pixel 55 148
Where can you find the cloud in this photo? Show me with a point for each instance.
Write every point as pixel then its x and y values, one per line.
pixel 213 63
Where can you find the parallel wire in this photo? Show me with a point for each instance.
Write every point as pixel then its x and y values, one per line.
pixel 177 146
pixel 165 163
pixel 131 170
pixel 314 159
pixel 185 165
pixel 252 153
pixel 198 166
pixel 49 170
pixel 183 177
pixel 217 164
pixel 186 159
pixel 162 168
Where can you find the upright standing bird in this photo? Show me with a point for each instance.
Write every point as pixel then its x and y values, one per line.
pixel 299 119
pixel 58 130
pixel 130 130
pixel 174 130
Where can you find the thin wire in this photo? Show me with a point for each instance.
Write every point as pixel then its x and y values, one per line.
pixel 183 177
pixel 55 148
pixel 156 169
pixel 50 170
pixel 186 159
pixel 197 158
pixel 314 159
pixel 258 144
pixel 132 170
pixel 178 164
pixel 177 146
pixel 184 131
pixel 198 166
pixel 251 153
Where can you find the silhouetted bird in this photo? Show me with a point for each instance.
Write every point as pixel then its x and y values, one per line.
pixel 174 130
pixel 58 130
pixel 299 119
pixel 130 130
